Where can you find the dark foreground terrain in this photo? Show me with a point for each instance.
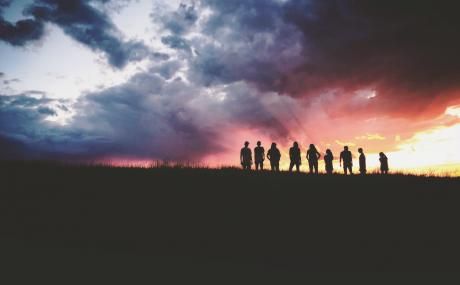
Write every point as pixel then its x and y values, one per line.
pixel 178 223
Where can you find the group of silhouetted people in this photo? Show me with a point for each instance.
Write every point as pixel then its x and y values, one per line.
pixel 274 156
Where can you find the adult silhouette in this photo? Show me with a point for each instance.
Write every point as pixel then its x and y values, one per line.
pixel 259 156
pixel 328 158
pixel 274 155
pixel 246 156
pixel 312 157
pixel 383 163
pixel 362 161
pixel 346 156
pixel 294 155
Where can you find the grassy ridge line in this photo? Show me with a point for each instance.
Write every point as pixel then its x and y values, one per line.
pixel 290 222
pixel 170 166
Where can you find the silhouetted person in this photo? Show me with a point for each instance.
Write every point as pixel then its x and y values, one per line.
pixel 246 157
pixel 312 157
pixel 346 156
pixel 362 162
pixel 259 156
pixel 328 158
pixel 383 163
pixel 294 155
pixel 274 155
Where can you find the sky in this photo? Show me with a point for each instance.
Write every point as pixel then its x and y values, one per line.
pixel 128 81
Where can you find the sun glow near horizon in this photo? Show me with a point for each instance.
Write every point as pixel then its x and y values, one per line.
pixel 430 152
pixel 432 149
pixel 423 155
pixel 171 80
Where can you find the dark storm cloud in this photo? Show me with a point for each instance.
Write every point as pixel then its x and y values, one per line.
pixel 406 51
pixel 21 32
pixel 46 111
pixel 24 100
pixel 154 118
pixel 250 42
pixel 179 21
pixel 411 45
pixel 89 26
pixel 167 69
pixel 4 4
pixel 21 118
pixel 147 117
pixel 80 20
pixel 245 54
pixel 26 134
pixel 176 42
pixel 136 119
pixel 20 114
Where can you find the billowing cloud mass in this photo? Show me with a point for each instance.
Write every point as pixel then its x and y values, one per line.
pixel 282 69
pixel 406 51
pixel 80 20
pixel 21 32
pixel 90 27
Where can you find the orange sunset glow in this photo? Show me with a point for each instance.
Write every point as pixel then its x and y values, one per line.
pixel 191 82
pixel 228 140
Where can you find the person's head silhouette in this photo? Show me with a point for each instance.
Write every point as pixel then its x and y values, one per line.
pixel 246 143
pixel 273 145
pixel 312 147
pixel 381 154
pixel 345 147
pixel 295 145
pixel 360 150
pixel 328 151
pixel 259 143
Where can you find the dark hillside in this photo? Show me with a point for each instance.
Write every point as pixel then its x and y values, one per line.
pixel 222 221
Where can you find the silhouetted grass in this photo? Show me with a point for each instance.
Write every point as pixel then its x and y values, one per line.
pixel 179 220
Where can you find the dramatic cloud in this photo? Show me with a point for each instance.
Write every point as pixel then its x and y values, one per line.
pixel 326 71
pixel 90 27
pixel 81 20
pixel 27 133
pixel 176 42
pixel 23 130
pixel 405 52
pixel 178 22
pixel 147 117
pixel 21 32
pixel 175 119
pixel 245 40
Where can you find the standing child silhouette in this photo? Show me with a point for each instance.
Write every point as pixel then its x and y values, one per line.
pixel 383 163
pixel 362 162
pixel 328 158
